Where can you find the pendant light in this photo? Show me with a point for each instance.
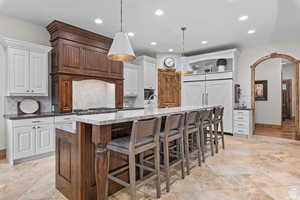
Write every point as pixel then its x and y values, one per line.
pixel 184 66
pixel 121 49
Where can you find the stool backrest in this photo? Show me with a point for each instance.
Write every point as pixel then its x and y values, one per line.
pixel 192 118
pixel 174 123
pixel 218 113
pixel 206 115
pixel 145 129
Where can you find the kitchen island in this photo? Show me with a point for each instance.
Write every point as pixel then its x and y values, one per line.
pixel 81 154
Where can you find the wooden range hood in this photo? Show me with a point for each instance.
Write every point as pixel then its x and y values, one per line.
pixel 79 54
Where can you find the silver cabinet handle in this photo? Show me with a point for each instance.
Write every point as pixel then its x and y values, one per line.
pixel 32 90
pixel 36 121
pixel 206 98
pixel 27 91
pixel 33 127
pixel 67 118
pixel 38 127
pixel 203 103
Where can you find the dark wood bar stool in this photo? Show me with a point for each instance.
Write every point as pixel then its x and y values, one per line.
pixel 192 130
pixel 218 124
pixel 144 137
pixel 206 131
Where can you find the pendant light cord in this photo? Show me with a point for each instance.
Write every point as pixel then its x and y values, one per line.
pixel 121 15
pixel 183 29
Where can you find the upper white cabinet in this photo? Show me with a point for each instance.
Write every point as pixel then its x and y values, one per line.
pixel 150 75
pixel 27 68
pixel 148 65
pixel 131 73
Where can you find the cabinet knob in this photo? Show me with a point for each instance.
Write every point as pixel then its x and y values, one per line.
pixel 27 91
pixel 33 127
pixel 38 127
pixel 32 90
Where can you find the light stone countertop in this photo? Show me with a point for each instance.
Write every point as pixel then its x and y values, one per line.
pixel 130 115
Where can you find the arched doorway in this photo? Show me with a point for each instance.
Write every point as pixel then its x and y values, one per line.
pixel 296 75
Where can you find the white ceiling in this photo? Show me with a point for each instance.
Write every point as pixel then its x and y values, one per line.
pixel 215 21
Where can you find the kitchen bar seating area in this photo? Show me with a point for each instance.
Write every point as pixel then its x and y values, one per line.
pixel 132 148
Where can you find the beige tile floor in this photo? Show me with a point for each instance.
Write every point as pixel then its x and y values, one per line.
pixel 258 168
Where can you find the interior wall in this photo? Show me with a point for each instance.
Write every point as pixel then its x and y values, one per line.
pixel 288 74
pixel 20 30
pixel 160 58
pixel 249 55
pixel 269 112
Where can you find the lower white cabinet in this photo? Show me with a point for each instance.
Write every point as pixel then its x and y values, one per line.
pixel 29 137
pixel 243 126
pixel 23 142
pixel 45 137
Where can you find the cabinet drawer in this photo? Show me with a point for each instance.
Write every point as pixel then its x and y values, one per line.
pixel 33 121
pixel 64 119
pixel 240 117
pixel 241 131
pixel 241 124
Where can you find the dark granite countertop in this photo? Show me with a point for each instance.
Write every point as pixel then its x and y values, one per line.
pixel 53 114
pixel 243 109
pixel 43 114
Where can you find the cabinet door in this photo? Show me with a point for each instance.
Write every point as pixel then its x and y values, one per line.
pixel 192 93
pixel 130 80
pixel 150 76
pixel 38 73
pixel 168 89
pixel 117 69
pixel 44 139
pixel 24 142
pixel 220 93
pixel 18 71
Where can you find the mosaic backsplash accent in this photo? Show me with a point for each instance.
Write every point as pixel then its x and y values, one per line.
pixel 11 104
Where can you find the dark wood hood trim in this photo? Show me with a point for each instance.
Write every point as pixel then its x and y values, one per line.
pixel 61 30
pixel 79 54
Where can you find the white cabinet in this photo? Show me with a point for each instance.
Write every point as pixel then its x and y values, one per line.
pixel 243 126
pixel 192 94
pixel 30 137
pixel 130 80
pixel 38 68
pixel 220 93
pixel 27 68
pixel 212 89
pixel 24 142
pixel 150 75
pixel 44 139
pixel 18 71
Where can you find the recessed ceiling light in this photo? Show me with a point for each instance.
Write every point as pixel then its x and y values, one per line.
pixel 131 34
pixel 252 31
pixel 243 18
pixel 159 12
pixel 153 43
pixel 170 50
pixel 204 42
pixel 98 21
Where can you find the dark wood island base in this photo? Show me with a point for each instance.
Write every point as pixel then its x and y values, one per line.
pixel 78 154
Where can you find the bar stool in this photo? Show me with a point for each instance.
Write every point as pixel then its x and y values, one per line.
pixel 144 137
pixel 191 129
pixel 206 130
pixel 218 123
pixel 171 138
pixel 173 132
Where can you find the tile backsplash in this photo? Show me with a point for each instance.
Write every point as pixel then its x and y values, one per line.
pixel 11 103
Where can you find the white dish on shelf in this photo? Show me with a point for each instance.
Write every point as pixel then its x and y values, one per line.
pixel 29 106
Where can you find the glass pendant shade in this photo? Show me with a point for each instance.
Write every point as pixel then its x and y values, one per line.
pixel 121 49
pixel 184 66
